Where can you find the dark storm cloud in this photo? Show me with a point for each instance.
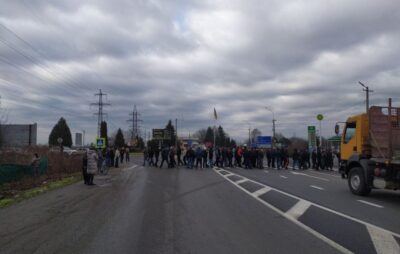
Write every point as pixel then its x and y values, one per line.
pixel 179 59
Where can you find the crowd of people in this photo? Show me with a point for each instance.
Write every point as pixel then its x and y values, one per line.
pixel 93 161
pixel 241 156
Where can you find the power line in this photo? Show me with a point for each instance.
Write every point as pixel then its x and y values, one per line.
pixel 100 112
pixel 135 120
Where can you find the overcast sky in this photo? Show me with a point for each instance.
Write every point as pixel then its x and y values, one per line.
pixel 180 59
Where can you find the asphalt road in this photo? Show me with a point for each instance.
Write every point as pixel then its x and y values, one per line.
pixel 149 210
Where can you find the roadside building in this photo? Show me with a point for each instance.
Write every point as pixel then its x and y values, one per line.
pixel 17 135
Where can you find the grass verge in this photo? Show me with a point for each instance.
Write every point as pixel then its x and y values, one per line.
pixel 48 186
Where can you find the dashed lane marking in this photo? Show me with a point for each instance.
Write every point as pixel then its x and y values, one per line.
pixel 384 243
pixel 369 203
pixel 266 171
pixel 284 177
pixel 304 174
pixel 261 192
pixel 316 187
pixel 299 209
pixel 303 207
pixel 241 181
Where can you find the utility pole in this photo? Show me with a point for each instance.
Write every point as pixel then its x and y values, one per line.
pixel 273 125
pixel 249 138
pixel 367 91
pixel 176 130
pixel 100 112
pixel 135 119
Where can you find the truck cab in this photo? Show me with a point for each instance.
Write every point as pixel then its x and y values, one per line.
pixel 370 149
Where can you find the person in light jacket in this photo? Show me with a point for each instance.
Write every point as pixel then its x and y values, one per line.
pixel 117 156
pixel 92 160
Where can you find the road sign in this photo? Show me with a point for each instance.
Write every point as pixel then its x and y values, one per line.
pixel 158 134
pixel 100 143
pixel 312 141
pixel 320 117
pixel 264 140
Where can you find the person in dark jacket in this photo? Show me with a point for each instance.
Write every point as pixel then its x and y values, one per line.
pixel 247 159
pixel 172 162
pixel 164 156
pixel 190 158
pixel 156 156
pixel 84 169
pixel 178 156
pixel 199 157
pixel 204 157
pixel 296 159
pixel 314 159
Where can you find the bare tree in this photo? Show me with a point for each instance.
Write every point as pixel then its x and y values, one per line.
pixel 200 134
pixel 254 134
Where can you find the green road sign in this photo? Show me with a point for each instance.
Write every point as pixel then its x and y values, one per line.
pixel 312 139
pixel 320 117
pixel 100 143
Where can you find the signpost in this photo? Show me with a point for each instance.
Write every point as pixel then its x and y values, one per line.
pixel 320 117
pixel 100 143
pixel 312 141
pixel 158 134
pixel 264 141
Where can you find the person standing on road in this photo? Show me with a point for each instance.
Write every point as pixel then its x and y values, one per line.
pixel 314 159
pixel 117 156
pixel 84 169
pixel 164 156
pixel 204 157
pixel 156 155
pixel 127 154
pixel 171 157
pixel 269 157
pixel 190 157
pixel 211 156
pixel 92 160
pixel 35 164
pixel 150 156
pixel 179 155
pixel 122 151
pixel 296 158
pixel 145 156
pixel 199 157
pixel 260 158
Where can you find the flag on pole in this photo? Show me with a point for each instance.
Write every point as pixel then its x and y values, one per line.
pixel 215 114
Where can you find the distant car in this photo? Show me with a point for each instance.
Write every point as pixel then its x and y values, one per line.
pixel 69 151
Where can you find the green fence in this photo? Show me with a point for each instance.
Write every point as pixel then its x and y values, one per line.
pixel 12 172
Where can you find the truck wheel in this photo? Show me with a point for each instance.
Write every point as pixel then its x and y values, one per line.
pixel 357 183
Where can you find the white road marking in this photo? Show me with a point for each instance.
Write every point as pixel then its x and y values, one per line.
pixel 284 177
pixel 130 168
pixel 261 192
pixel 241 181
pixel 308 229
pixel 294 220
pixel 230 174
pixel 384 243
pixel 266 171
pixel 369 203
pixel 298 209
pixel 316 187
pixel 316 177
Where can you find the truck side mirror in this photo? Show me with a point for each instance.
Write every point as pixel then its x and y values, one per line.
pixel 337 129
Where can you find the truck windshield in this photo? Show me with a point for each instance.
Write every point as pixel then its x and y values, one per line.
pixel 350 131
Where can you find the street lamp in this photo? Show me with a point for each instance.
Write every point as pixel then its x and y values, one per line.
pixel 273 125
